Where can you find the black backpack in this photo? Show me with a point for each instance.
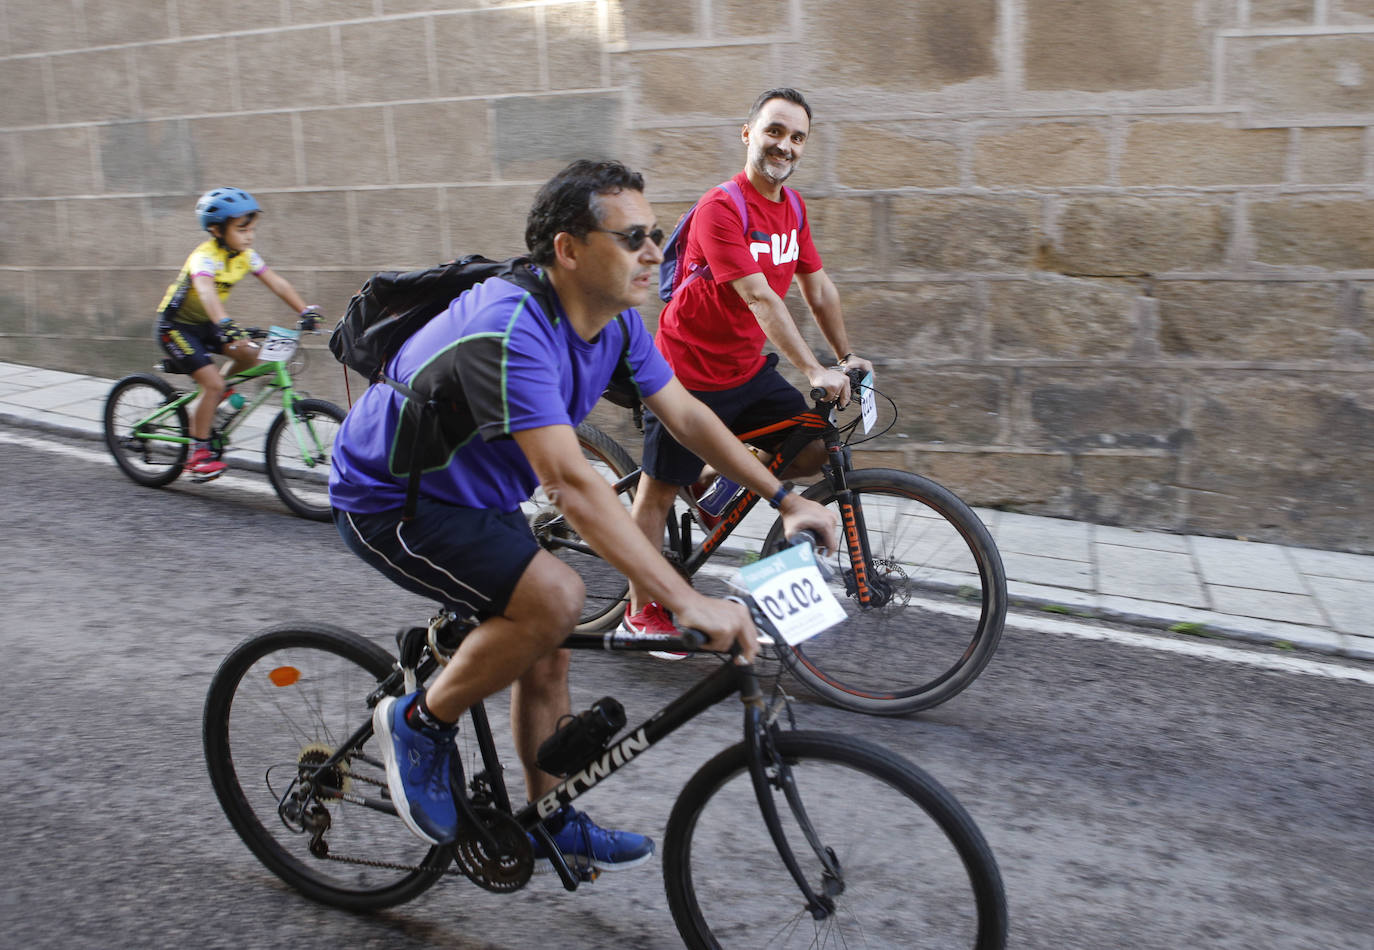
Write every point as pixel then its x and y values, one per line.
pixel 393 305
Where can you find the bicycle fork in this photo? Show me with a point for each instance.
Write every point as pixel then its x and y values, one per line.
pixel 859 583
pixel 770 773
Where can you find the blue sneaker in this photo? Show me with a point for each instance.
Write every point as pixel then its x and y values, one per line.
pixel 584 843
pixel 419 766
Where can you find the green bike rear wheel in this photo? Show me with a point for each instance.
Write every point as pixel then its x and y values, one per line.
pixel 135 439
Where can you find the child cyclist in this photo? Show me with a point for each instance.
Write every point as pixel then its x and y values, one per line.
pixel 192 322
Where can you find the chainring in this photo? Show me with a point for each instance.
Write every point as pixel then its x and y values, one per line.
pixel 506 870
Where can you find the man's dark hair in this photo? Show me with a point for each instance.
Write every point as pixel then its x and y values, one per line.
pixel 567 203
pixel 786 92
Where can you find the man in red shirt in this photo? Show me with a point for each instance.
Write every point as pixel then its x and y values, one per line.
pixel 713 330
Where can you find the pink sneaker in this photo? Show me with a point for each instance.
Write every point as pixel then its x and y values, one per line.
pixel 653 620
pixel 204 466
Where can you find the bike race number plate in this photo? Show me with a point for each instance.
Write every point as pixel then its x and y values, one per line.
pixel 279 346
pixel 788 587
pixel 868 406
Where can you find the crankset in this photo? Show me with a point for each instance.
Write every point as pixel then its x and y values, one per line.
pixel 504 870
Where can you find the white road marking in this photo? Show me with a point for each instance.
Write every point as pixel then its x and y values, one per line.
pixel 250 484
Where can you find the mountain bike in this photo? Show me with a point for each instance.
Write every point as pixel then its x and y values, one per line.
pixel 918 572
pixel 147 425
pixel 853 846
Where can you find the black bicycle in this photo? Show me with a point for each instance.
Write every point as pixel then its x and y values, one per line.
pixel 857 847
pixel 918 572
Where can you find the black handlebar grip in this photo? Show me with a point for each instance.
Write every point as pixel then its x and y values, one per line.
pixel 692 639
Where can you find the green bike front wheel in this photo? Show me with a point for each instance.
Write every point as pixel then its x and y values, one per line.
pixel 300 447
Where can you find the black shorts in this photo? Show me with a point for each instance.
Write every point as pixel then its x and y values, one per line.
pixel 189 345
pixel 467 559
pixel 762 400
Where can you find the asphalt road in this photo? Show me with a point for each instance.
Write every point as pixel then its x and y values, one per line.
pixel 1134 798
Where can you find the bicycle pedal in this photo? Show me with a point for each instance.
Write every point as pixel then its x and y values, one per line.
pixel 198 479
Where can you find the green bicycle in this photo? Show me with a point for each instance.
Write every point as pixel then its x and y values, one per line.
pixel 148 433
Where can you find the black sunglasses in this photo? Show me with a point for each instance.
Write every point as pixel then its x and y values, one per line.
pixel 636 236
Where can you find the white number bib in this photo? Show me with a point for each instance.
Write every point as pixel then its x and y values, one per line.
pixel 788 587
pixel 279 346
pixel 868 406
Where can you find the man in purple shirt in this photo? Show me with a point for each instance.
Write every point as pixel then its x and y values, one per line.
pixel 517 379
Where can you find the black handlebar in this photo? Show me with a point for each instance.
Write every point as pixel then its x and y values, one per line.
pixel 855 377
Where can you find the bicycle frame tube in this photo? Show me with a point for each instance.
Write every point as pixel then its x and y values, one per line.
pixel 805 428
pixel 160 413
pixel 726 681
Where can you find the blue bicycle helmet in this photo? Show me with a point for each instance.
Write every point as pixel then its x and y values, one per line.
pixel 220 204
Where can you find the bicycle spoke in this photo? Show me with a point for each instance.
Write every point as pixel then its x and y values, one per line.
pixel 936 600
pixel 278 710
pixel 913 871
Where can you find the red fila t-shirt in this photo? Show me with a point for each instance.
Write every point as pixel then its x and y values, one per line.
pixel 706 332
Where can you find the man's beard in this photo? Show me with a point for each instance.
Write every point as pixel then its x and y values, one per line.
pixel 761 166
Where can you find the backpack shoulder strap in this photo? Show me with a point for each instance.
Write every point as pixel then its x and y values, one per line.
pixel 732 189
pixel 794 200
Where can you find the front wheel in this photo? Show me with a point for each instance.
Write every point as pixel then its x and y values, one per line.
pixel 300 445
pixel 900 862
pixel 280 705
pixel 147 438
pixel 926 610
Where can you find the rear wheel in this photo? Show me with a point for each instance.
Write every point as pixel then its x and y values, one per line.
pixel 937 598
pixel 298 456
pixel 607 589
pixel 135 431
pixel 280 705
pixel 899 860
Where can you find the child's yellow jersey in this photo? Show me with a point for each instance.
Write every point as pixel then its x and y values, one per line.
pixel 182 304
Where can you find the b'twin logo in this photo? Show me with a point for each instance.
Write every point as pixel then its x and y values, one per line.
pixel 620 753
pixel 781 247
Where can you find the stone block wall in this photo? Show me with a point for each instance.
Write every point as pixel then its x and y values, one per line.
pixel 1113 260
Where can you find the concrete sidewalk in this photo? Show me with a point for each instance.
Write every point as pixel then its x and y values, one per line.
pixel 1264 593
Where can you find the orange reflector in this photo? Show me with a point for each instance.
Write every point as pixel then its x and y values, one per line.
pixel 284 676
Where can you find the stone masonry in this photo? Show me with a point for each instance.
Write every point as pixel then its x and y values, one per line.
pixel 1114 260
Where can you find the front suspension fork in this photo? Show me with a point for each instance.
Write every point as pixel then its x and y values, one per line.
pixel 852 526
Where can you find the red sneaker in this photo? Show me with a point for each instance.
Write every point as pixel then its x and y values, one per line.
pixel 204 466
pixel 653 620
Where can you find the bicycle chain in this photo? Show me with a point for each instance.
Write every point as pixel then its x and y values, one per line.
pixel 390 865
